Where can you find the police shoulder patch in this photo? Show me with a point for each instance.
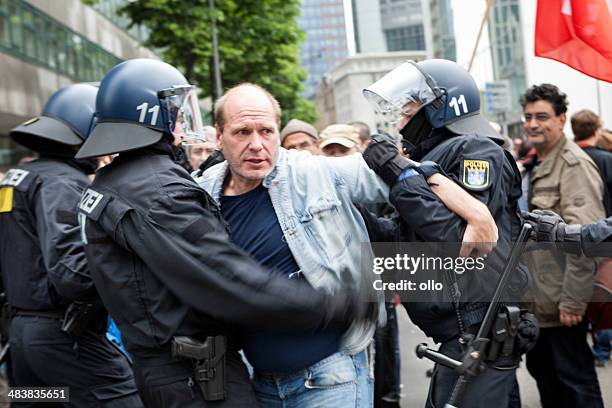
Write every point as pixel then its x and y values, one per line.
pixel 475 174
pixel 92 203
pixel 14 177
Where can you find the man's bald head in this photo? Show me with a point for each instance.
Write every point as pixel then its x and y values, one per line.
pixel 255 94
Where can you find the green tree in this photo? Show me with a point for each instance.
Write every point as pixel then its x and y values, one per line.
pixel 259 42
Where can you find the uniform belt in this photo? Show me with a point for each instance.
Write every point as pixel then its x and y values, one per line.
pixel 49 313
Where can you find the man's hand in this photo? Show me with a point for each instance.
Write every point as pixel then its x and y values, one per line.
pixel 480 236
pixel 569 319
pixel 383 156
pixel 345 308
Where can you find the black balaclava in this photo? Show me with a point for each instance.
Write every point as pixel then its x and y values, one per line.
pixel 88 165
pixel 415 132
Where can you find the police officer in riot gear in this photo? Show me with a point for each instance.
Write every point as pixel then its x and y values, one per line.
pixel 436 104
pixel 590 240
pixel 57 331
pixel 161 255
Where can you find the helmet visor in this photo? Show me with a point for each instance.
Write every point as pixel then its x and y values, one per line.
pixel 405 84
pixel 182 112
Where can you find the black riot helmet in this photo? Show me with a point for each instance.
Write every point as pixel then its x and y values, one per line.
pixel 65 123
pixel 434 94
pixel 141 102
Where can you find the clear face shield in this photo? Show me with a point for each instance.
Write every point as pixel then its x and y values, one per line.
pixel 182 112
pixel 405 85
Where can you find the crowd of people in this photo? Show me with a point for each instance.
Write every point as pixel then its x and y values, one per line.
pixel 228 259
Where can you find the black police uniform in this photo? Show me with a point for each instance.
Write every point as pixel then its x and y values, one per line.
pixel 44 268
pixel 597 238
pixel 164 267
pixel 488 173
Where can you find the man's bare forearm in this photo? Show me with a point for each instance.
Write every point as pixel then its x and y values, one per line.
pixel 458 200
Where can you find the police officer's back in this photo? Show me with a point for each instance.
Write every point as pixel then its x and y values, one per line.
pixel 163 261
pixel 43 264
pixel 436 104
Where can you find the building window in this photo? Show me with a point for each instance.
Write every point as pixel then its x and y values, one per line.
pixel 408 38
pixel 27 33
pixel 5 24
pixel 15 24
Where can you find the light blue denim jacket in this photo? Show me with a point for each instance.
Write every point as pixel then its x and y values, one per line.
pixel 312 197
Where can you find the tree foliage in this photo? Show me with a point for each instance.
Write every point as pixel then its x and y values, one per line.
pixel 259 42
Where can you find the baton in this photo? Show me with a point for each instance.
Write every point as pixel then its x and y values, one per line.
pixel 471 364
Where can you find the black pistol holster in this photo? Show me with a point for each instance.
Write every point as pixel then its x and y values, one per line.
pixel 208 359
pixel 514 333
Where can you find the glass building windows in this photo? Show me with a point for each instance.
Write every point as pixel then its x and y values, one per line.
pixel 29 34
pixel 5 24
pixel 407 38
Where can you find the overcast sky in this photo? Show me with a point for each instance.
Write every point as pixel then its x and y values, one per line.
pixel 467 15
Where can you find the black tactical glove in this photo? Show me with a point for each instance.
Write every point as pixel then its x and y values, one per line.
pixel 547 226
pixel 383 156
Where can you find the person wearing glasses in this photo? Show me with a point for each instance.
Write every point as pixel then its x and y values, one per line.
pixel 565 180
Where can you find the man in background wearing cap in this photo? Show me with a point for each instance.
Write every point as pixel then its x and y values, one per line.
pixel 339 140
pixel 300 135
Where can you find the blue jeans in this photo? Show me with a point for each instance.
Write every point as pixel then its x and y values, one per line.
pixel 602 344
pixel 340 380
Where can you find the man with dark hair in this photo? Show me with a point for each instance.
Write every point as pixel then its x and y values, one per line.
pixel 365 136
pixel 605 140
pixel 561 362
pixel 586 126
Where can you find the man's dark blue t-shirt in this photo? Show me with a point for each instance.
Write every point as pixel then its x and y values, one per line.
pixel 254 227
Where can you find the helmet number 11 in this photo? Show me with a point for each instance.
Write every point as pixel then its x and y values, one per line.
pixel 154 111
pixel 454 103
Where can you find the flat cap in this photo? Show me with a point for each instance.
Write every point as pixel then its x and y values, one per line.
pixel 298 126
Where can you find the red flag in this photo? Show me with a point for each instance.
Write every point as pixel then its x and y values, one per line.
pixel 577 33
